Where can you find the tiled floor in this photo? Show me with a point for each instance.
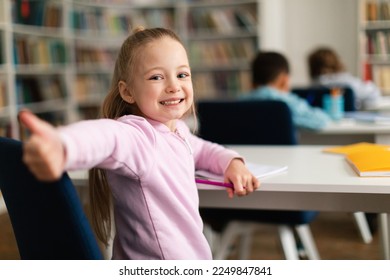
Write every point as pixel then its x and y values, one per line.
pixel 335 233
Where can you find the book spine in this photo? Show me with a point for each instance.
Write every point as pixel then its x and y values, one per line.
pixel 3 95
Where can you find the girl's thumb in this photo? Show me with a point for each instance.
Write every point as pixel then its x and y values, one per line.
pixel 34 124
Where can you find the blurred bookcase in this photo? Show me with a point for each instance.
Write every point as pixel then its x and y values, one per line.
pixel 374 49
pixel 57 57
pixel 222 38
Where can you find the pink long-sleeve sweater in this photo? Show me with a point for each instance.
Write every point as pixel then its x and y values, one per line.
pixel 151 174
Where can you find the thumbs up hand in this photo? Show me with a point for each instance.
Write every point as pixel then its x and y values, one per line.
pixel 43 152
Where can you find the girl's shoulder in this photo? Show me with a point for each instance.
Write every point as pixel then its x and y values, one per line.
pixel 149 124
pixel 131 119
pixel 137 122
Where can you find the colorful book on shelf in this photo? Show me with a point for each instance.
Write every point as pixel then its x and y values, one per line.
pixel 3 98
pixel 259 170
pixel 372 163
pixel 357 148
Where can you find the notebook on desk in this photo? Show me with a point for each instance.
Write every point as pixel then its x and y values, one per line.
pixel 258 170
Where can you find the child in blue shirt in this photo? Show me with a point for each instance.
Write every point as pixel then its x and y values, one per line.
pixel 271 81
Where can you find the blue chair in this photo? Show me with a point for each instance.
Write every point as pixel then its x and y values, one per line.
pixel 314 96
pixel 253 123
pixel 47 218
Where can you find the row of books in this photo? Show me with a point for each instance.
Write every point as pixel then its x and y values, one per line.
pixel 381 76
pixel 31 89
pixel 376 10
pixel 118 21
pixel 225 21
pixel 91 87
pixel 5 129
pixel 102 56
pixel 1 48
pixel 3 95
pixel 38 13
pixel 49 51
pixel 212 53
pixel 89 112
pixel 33 50
pixel 221 84
pixel 378 43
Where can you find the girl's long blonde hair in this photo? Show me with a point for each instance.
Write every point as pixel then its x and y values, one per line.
pixel 114 107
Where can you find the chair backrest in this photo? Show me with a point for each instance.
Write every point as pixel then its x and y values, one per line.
pixel 249 122
pixel 314 96
pixel 47 218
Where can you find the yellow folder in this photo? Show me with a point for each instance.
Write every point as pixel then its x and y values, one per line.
pixel 367 159
pixel 372 163
pixel 358 147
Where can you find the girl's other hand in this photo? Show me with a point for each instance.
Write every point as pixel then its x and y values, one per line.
pixel 43 152
pixel 243 180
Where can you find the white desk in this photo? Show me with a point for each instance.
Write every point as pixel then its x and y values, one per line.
pixel 347 132
pixel 314 181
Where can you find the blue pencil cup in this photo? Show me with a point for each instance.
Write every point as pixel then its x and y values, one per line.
pixel 334 106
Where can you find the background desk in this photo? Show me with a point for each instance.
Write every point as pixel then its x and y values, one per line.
pixel 346 132
pixel 314 181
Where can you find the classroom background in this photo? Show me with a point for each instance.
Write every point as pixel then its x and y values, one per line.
pixel 56 59
pixel 57 56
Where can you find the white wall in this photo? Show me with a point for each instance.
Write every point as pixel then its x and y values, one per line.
pixel 295 27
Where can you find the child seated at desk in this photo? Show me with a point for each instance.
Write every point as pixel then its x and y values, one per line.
pixel 271 81
pixel 326 69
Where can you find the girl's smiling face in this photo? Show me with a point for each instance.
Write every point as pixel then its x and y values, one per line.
pixel 161 87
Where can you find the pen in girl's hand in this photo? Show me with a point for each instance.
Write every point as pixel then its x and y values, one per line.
pixel 214 183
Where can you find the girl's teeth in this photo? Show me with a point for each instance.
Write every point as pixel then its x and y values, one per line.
pixel 170 102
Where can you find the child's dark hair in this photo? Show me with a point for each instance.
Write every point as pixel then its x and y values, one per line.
pixel 267 66
pixel 322 61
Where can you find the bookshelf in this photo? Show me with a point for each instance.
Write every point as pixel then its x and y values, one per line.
pixel 57 57
pixel 374 51
pixel 222 38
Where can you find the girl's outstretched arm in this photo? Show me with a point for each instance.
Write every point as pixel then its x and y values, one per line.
pixel 243 180
pixel 43 153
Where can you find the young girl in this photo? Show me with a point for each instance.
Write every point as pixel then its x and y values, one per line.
pixel 147 155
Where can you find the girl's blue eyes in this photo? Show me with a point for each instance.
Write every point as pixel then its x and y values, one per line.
pixel 180 76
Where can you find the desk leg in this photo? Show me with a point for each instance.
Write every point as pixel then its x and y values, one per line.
pixel 384 224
